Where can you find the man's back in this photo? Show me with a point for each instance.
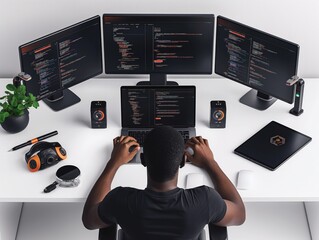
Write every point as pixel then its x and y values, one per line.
pixel 163 211
pixel 175 214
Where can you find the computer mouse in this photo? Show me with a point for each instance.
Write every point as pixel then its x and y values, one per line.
pixel 245 179
pixel 131 149
pixel 189 150
pixel 194 180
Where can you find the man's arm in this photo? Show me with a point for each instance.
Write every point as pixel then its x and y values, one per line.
pixel 120 155
pixel 204 158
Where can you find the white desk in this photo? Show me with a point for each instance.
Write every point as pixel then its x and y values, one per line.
pixel 89 149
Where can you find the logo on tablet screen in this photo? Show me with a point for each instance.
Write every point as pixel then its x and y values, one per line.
pixel 277 140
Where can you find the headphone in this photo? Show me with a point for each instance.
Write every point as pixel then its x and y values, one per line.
pixel 47 154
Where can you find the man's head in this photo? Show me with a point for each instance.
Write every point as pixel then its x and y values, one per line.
pixel 163 153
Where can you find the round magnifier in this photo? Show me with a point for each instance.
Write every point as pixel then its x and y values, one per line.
pixel 66 176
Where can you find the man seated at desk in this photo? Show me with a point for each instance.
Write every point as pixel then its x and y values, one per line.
pixel 162 210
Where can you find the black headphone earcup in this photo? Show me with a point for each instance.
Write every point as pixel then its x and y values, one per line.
pixel 182 164
pixel 34 163
pixel 143 159
pixel 61 152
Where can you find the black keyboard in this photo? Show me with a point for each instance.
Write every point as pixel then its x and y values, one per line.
pixel 140 135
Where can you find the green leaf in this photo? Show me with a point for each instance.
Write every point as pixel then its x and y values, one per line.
pixel 11 87
pixel 27 99
pixel 22 89
pixel 18 94
pixel 32 98
pixel 2 118
pixel 36 104
pixel 14 112
pixel 20 107
pixel 3 97
pixel 20 113
pixel 10 98
pixel 14 101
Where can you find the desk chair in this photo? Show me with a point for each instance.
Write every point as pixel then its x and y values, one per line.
pixel 215 233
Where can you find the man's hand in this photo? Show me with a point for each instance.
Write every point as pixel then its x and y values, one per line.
pixel 202 153
pixel 124 149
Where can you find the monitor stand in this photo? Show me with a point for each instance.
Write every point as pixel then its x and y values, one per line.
pixel 62 99
pixel 158 79
pixel 257 100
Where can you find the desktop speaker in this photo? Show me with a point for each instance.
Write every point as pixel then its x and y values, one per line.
pixel 98 114
pixel 217 114
pixel 43 155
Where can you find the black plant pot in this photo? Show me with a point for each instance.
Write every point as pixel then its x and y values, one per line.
pixel 14 124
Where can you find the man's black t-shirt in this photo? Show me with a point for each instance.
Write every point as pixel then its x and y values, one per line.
pixel 176 214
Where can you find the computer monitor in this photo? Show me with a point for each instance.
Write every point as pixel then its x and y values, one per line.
pixel 62 59
pixel 256 59
pixel 158 45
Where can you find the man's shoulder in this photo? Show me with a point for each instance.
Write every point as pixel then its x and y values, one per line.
pixel 119 190
pixel 199 189
pixel 203 191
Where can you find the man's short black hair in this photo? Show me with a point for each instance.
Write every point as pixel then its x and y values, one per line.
pixel 163 153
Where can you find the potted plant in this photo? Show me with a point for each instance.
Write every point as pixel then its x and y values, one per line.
pixel 14 115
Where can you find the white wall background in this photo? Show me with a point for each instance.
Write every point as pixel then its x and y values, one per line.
pixel 24 20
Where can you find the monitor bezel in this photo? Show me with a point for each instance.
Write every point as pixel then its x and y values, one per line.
pixel 282 41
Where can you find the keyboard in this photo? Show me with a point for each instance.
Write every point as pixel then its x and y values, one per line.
pixel 140 135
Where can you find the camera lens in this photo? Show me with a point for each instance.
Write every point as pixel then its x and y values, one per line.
pixel 50 160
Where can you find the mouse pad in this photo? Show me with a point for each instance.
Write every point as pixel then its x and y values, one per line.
pixel 272 145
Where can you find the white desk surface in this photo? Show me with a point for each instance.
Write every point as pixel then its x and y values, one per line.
pixel 89 149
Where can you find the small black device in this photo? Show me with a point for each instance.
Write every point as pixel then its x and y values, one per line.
pixel 98 114
pixel 44 154
pixel 66 176
pixel 272 145
pixel 217 114
pixel 297 109
pixel 20 78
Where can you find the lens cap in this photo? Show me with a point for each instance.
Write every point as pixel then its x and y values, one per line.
pixel 68 173
pixel 66 176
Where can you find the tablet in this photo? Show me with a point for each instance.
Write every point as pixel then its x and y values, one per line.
pixel 272 145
